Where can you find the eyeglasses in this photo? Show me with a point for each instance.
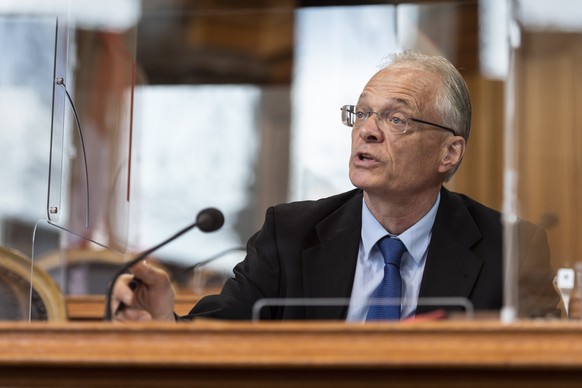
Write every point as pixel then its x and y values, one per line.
pixel 394 121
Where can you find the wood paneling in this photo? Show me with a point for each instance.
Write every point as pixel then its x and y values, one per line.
pixel 217 42
pixel 481 173
pixel 549 138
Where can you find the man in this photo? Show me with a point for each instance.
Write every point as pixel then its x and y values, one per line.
pixel 410 128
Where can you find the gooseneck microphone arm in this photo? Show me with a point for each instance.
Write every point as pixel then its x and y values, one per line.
pixel 218 255
pixel 208 220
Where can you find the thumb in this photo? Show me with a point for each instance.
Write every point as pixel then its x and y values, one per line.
pixel 151 276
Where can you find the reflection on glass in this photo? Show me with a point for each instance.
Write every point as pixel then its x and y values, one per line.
pixel 97 195
pixel 210 274
pixel 63 34
pixel 543 175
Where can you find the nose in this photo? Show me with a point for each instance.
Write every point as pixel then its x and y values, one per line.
pixel 369 131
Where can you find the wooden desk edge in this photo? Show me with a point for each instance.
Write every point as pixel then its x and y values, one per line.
pixel 207 344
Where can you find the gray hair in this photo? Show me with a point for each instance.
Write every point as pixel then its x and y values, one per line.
pixel 453 102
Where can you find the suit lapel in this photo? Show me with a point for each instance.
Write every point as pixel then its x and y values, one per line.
pixel 451 268
pixel 330 264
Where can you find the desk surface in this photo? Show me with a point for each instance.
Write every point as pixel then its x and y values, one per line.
pixel 310 354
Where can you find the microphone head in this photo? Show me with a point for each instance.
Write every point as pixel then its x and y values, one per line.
pixel 209 220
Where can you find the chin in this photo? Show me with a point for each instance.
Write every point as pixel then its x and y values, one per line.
pixel 356 180
pixel 362 184
pixel 363 178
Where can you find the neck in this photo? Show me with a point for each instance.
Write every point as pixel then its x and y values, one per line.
pixel 397 214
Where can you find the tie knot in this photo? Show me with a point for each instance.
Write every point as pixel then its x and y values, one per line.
pixel 392 250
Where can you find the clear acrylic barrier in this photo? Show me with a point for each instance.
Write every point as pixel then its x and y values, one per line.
pixel 237 107
pixel 65 136
pixel 463 306
pixel 26 73
pixel 211 273
pixel 91 133
pixel 85 270
pixel 543 126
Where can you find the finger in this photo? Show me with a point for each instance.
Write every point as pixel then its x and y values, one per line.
pixel 149 275
pixel 122 291
pixel 129 314
pixel 133 285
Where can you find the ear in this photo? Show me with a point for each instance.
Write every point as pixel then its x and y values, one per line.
pixel 453 151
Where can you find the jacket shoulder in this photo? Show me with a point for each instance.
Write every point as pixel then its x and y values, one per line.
pixel 311 211
pixel 478 211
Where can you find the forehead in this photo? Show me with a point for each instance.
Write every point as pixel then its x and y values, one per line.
pixel 409 87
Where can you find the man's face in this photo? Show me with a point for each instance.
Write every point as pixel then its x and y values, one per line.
pixel 393 165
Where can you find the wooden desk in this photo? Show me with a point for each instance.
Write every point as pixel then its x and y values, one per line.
pixel 245 354
pixel 92 307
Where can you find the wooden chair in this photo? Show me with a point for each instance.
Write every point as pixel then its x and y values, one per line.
pixel 27 291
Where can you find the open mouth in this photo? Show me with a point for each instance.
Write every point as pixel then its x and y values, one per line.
pixel 365 157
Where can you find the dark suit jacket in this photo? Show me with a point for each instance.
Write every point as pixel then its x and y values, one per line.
pixel 309 249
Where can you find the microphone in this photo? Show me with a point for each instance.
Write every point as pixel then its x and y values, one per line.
pixel 207 220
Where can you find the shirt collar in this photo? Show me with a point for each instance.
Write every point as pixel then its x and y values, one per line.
pixel 415 239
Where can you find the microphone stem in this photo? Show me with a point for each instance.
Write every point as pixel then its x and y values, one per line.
pixel 212 258
pixel 129 264
pixel 149 251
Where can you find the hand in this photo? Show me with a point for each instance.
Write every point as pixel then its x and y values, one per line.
pixel 146 295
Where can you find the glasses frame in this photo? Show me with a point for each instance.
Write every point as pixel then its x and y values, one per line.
pixel 352 108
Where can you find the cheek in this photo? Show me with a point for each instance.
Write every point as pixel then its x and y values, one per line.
pixel 355 137
pixel 423 157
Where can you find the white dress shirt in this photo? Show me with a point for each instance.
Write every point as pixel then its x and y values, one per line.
pixel 370 266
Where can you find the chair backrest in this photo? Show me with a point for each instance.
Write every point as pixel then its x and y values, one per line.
pixel 27 291
pixel 81 271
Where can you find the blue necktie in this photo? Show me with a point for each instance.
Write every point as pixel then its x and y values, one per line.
pixel 391 285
